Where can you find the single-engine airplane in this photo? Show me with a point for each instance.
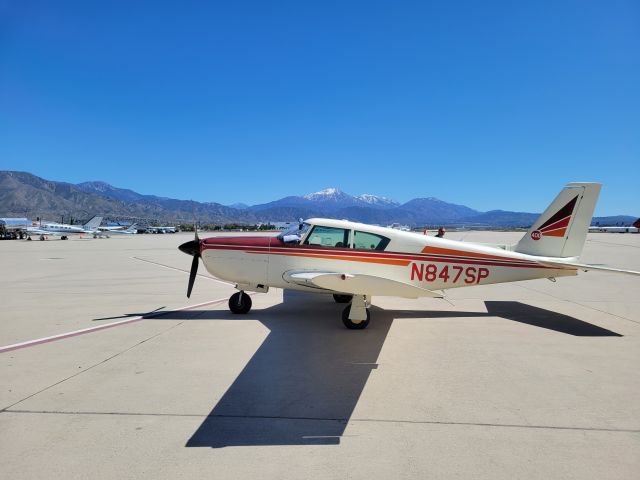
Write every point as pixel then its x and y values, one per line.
pixel 354 261
pixel 117 230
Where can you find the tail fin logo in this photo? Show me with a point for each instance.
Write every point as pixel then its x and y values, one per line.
pixel 557 225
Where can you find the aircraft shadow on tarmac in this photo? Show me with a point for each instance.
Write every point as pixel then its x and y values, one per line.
pixel 303 383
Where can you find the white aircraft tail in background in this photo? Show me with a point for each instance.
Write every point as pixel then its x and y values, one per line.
pixel 92 224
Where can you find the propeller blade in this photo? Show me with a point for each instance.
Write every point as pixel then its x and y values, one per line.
pixel 192 248
pixel 192 274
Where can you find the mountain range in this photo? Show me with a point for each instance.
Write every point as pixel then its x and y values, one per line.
pixel 24 194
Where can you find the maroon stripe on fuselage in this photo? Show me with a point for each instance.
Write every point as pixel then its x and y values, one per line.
pixel 311 249
pixel 243 241
pixel 257 248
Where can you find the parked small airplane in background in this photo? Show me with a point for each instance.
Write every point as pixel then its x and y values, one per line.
pixel 116 230
pixel 63 230
pixel 354 261
pixel 634 228
pixel 161 229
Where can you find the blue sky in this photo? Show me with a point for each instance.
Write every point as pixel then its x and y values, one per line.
pixel 487 104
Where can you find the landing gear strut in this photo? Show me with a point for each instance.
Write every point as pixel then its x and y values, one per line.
pixel 351 324
pixel 240 303
pixel 356 315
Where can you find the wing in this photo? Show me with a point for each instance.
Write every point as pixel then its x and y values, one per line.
pixel 357 284
pixel 586 267
pixel 37 231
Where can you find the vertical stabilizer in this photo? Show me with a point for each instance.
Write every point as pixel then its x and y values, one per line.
pixel 562 229
pixel 92 224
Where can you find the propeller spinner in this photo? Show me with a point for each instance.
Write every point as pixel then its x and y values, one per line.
pixel 192 248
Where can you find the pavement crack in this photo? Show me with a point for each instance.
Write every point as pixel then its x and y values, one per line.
pixel 91 367
pixel 329 419
pixel 181 270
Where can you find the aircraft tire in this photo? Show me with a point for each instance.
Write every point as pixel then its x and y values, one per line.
pixel 239 305
pixel 352 325
pixel 342 298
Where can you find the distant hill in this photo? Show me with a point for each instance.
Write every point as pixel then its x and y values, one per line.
pixel 363 208
pixel 24 194
pixel 622 220
pixel 503 218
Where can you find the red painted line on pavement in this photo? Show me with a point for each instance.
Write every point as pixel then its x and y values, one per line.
pixel 53 338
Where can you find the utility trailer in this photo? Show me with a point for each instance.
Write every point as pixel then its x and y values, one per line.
pixel 14 228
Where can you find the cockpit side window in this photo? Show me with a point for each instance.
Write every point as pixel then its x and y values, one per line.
pixel 295 234
pixel 328 237
pixel 370 241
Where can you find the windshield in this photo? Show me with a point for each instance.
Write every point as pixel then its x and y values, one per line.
pixel 294 234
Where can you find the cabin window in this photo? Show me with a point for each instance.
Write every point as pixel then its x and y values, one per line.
pixel 370 241
pixel 328 237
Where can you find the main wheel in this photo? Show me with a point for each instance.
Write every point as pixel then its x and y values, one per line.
pixel 342 298
pixel 240 303
pixel 350 324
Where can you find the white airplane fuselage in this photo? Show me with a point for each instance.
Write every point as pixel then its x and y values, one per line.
pixel 425 262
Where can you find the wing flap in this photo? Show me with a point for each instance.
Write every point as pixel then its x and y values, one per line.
pixel 357 284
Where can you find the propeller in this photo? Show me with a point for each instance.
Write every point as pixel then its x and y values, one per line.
pixel 192 248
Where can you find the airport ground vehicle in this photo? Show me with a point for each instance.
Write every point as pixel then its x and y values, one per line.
pixel 13 228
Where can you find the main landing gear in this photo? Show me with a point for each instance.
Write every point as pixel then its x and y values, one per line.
pixel 351 324
pixel 356 315
pixel 240 303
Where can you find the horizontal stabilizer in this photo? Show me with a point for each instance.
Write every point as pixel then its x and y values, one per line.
pixel 357 284
pixel 586 267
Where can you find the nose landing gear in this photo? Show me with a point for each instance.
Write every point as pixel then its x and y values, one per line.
pixel 240 303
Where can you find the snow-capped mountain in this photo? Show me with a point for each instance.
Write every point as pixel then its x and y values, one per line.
pixel 376 201
pixel 332 196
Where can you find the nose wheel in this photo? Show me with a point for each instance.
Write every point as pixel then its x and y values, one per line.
pixel 240 303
